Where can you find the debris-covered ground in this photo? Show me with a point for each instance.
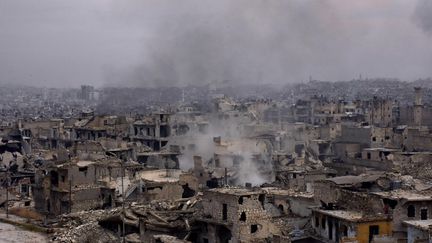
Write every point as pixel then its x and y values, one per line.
pixel 14 234
pixel 100 225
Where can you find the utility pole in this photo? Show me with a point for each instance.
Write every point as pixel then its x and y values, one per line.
pixel 7 194
pixel 123 202
pixel 70 194
pixel 226 177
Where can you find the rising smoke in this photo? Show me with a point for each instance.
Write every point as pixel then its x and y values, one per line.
pixel 235 144
pixel 166 43
pixel 244 41
pixel 423 15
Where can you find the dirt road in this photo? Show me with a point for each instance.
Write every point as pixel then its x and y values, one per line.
pixel 10 233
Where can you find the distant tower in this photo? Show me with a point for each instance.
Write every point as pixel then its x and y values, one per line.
pixel 418 106
pixel 183 96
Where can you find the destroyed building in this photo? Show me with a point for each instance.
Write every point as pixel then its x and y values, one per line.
pixel 311 169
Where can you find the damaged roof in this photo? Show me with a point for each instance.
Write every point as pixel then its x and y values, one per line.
pixel 237 191
pixel 352 180
pixel 163 175
pixel 407 195
pixel 352 216
pixel 420 224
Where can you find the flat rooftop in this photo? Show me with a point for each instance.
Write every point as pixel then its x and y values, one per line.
pixel 404 194
pixel 160 175
pixel 383 149
pixel 237 191
pixel 352 216
pixel 350 179
pixel 285 192
pixel 420 224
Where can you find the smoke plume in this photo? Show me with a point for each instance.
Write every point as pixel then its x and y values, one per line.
pixel 242 41
pixel 423 15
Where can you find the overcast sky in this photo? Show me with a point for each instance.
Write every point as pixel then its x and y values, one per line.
pixel 66 43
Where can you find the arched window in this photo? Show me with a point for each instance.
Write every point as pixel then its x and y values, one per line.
pixel 411 211
pixel 243 216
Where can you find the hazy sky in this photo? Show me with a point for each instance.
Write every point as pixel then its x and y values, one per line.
pixel 145 42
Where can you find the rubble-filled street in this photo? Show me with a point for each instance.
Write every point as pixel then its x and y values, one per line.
pixel 14 234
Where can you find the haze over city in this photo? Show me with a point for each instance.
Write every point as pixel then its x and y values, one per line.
pixel 216 121
pixel 158 42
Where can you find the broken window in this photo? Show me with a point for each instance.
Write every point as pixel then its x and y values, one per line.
pixel 187 191
pixel 224 211
pixel 373 230
pixel 83 169
pixel 411 211
pixel 25 189
pixel 344 230
pixel 281 209
pixel 164 131
pixel 240 200
pixel 316 222
pixel 423 214
pixel 243 216
pixel 254 228
pixel 54 178
pixel 390 202
pixel 323 222
pixel 261 198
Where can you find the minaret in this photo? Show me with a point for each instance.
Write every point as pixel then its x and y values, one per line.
pixel 183 96
pixel 418 106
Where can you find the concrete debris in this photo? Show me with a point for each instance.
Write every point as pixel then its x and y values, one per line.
pixel 302 168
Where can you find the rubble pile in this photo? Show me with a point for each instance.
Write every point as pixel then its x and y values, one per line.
pixel 88 232
pixel 90 226
pixel 83 227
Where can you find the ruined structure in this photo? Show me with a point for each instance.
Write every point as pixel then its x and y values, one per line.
pixel 315 169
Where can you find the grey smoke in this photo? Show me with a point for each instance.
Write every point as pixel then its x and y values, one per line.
pixel 423 15
pixel 255 41
pixel 165 42
pixel 242 41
